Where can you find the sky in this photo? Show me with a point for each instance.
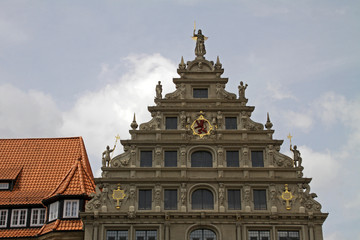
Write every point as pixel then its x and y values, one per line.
pixel 83 68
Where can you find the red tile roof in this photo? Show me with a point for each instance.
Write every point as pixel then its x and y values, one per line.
pixel 48 166
pixel 62 225
pixel 9 173
pixel 18 232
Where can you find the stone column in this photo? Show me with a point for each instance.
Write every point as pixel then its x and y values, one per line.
pixel 311 231
pixel 238 231
pixel 167 231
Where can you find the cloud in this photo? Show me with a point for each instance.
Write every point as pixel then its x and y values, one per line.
pixel 27 113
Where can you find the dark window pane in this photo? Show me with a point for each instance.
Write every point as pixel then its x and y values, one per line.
pixel 234 199
pixel 257 158
pixel 170 199
pixel 288 235
pixel 202 199
pixel 171 123
pixel 260 200
pixel 170 158
pixel 201 159
pixel 230 122
pixel 117 235
pixel 146 159
pixel 259 235
pixel 200 93
pixel 145 199
pixel 232 158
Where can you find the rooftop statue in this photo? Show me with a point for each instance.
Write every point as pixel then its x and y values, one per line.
pixel 297 157
pixel 200 43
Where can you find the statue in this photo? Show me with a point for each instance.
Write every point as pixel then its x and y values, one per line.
pixel 183 194
pixel 242 89
pixel 200 43
pixel 106 156
pixel 158 90
pixel 183 119
pixel 297 158
pixel 221 194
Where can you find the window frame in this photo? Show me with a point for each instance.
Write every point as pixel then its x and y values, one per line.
pixel 202 161
pixel 232 161
pixel 256 164
pixel 174 206
pixel 4 186
pixel 168 162
pixel 197 90
pixel 53 211
pixel 228 126
pixel 18 217
pixel 148 203
pixel 6 211
pixel 234 203
pixel 202 235
pixel 117 234
pixel 72 201
pixel 202 203
pixel 258 234
pixel 170 126
pixel 38 218
pixel 147 231
pixel 288 231
pixel 258 206
pixel 143 162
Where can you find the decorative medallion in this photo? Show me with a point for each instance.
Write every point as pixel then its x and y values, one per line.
pixel 201 126
pixel 118 195
pixel 287 196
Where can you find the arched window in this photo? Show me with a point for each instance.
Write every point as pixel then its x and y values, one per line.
pixel 202 234
pixel 202 199
pixel 201 159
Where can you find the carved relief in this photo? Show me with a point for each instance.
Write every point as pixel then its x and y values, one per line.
pixel 121 160
pixel 221 194
pixel 281 160
pixel 221 93
pixel 179 93
pixel 157 196
pixel 220 152
pixel 183 194
pixel 153 124
pixel 249 124
pixel 307 198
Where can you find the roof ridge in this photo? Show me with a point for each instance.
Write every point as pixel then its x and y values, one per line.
pixel 86 161
pixel 41 138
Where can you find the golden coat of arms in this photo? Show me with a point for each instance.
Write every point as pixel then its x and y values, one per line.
pixel 201 126
pixel 118 195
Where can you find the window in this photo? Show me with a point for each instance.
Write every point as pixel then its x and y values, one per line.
pixel 232 158
pixel 257 158
pixel 171 123
pixel 37 216
pixel 145 199
pixel 202 199
pixel 170 199
pixel 146 159
pixel 53 211
pixel 3 218
pixel 201 159
pixel 146 235
pixel 117 235
pixel 4 186
pixel 234 200
pixel 259 235
pixel 170 159
pixel 71 209
pixel 202 234
pixel 230 123
pixel 18 217
pixel 260 200
pixel 200 93
pixel 288 235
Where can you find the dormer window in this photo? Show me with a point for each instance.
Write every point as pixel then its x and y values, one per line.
pixel 3 218
pixel 200 93
pixel 37 216
pixel 53 211
pixel 71 209
pixel 4 186
pixel 18 217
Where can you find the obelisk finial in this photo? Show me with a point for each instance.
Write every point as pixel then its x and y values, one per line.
pixel 134 124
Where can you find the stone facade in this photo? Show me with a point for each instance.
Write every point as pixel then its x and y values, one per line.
pixel 201 168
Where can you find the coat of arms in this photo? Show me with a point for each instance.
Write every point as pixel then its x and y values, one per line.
pixel 201 127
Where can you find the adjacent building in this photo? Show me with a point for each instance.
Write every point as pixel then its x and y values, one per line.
pixel 44 184
pixel 202 169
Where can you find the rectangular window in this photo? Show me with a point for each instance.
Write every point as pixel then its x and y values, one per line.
pixel 232 158
pixel 170 199
pixel 230 123
pixel 234 199
pixel 200 93
pixel 170 159
pixel 146 235
pixel 37 216
pixel 53 211
pixel 288 235
pixel 171 123
pixel 3 218
pixel 18 217
pixel 257 158
pixel 260 200
pixel 146 158
pixel 117 235
pixel 71 209
pixel 4 186
pixel 259 235
pixel 145 199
